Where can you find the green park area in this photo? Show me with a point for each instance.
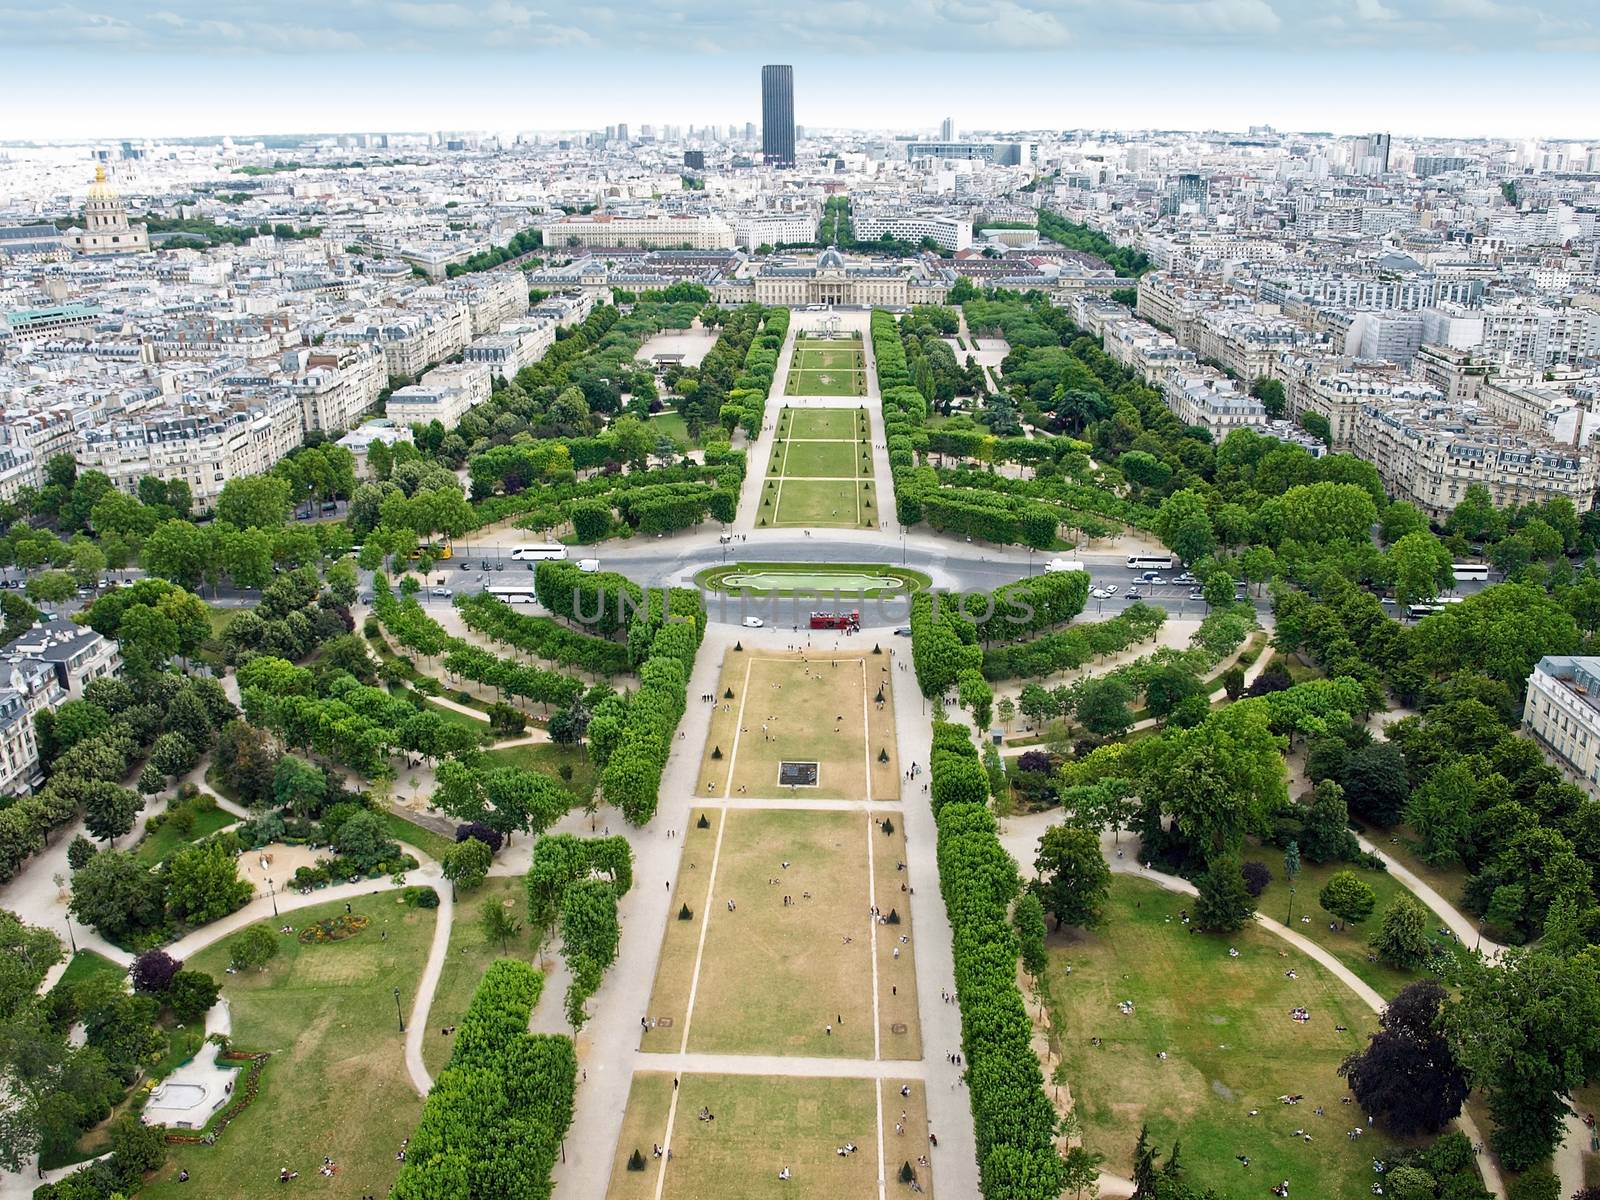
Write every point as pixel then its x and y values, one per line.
pixel 1208 1050
pixel 836 367
pixel 820 472
pixel 813 579
pixel 336 1084
pixel 471 952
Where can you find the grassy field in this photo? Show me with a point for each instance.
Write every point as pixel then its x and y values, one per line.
pixel 762 1125
pixel 820 471
pixel 336 1084
pixel 86 965
pixel 799 701
pixel 899 1030
pixel 673 425
pixel 155 847
pixel 773 977
pixel 822 460
pixel 1231 1049
pixel 469 956
pixel 669 996
pixel 829 356
pixel 430 843
pixel 549 758
pixel 815 503
pixel 1348 945
pixel 825 383
pixel 825 424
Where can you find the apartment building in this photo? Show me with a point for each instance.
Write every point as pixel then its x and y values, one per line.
pixel 411 339
pixel 1429 453
pixel 337 386
pixel 1562 714
pixel 517 344
pixel 654 229
pixel 944 230
pixel 491 298
pixel 203 438
pixel 445 394
pixel 1208 399
pixel 43 669
pixel 773 228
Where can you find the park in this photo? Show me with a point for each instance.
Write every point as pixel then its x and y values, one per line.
pixel 827 367
pixel 820 473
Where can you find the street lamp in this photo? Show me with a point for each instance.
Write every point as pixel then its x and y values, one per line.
pixel 71 941
pixel 1290 920
pixel 398 1014
pixel 902 545
pixel 1030 562
pixel 272 892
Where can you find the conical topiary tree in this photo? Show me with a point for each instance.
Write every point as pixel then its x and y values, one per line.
pixel 636 1160
pixel 684 915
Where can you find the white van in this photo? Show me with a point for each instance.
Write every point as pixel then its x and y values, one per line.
pixel 588 565
pixel 1057 565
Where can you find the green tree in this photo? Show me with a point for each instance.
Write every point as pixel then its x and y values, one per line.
pixel 1072 879
pixel 261 501
pixel 1402 937
pixel 117 894
pixel 1327 836
pixel 1347 897
pixel 256 946
pixel 1421 568
pixel 466 864
pixel 1102 706
pixel 109 810
pixel 178 552
pixel 203 884
pixel 299 786
pixel 1528 1032
pixel 498 924
pixel 1224 904
pixel 191 996
pixel 50 587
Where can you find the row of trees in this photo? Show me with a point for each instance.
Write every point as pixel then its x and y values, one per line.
pixel 1013 1119
pixel 1073 647
pixel 541 636
pixel 578 882
pixel 493 1123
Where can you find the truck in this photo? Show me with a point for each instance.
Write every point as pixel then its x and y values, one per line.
pixel 1056 565
pixel 840 620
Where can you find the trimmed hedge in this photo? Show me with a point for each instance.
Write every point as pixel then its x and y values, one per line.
pixel 1012 1117
pixel 494 1121
pixel 540 636
pixel 1075 646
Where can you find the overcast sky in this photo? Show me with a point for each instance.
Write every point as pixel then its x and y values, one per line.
pixel 170 67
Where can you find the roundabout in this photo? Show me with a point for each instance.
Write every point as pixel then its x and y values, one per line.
pixel 780 579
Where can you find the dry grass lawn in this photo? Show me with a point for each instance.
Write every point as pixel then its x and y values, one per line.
pixel 801 700
pixel 773 977
pixel 897 977
pixel 762 1126
pixel 669 998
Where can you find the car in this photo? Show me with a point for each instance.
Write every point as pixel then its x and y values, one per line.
pixel 903 631
pixel 725 538
pixel 1185 577
pixel 441 591
pixel 1100 593
pixel 1134 594
pixel 1111 589
pixel 1197 593
pixel 753 623
pixel 1157 580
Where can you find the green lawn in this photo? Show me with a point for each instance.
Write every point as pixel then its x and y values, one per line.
pixel 161 844
pixel 86 965
pixel 470 955
pixel 825 423
pixel 823 460
pixel 430 843
pixel 826 383
pixel 472 724
pixel 818 502
pixel 549 759
pixel 673 425
pixel 836 358
pixel 1231 1048
pixel 810 577
pixel 336 1084
pixel 1349 945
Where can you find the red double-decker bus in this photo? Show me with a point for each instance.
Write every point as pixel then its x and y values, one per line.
pixel 839 620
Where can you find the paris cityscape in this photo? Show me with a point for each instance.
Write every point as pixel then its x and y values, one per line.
pixel 633 605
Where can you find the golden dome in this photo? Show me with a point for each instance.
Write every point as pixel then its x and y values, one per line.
pixel 101 188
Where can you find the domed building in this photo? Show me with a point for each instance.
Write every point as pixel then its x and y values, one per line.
pixel 105 223
pixel 834 280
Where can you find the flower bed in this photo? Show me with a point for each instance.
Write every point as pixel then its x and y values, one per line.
pixel 334 929
pixel 244 1093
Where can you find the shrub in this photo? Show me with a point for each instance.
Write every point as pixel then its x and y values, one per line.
pixel 79 852
pixel 1256 877
pixel 191 995
pixel 491 838
pixel 255 947
pixel 153 971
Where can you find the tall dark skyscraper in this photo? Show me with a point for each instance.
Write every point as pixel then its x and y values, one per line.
pixel 777 116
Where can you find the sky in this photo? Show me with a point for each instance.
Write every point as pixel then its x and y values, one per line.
pixel 153 68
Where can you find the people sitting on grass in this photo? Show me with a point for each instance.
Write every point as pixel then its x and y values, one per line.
pixel 784 1174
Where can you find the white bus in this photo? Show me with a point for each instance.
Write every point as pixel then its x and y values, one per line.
pixel 1150 562
pixel 536 553
pixel 1418 611
pixel 510 593
pixel 1056 565
pixel 1470 571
